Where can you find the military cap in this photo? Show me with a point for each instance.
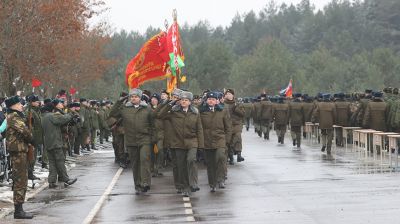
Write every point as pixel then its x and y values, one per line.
pixel 230 91
pixel 93 102
pixel 164 91
pixel 368 91
pixel 212 95
pixel 395 90
pixel 341 95
pixel 32 98
pixel 297 95
pixel 186 95
pixel 263 95
pixel 196 97
pixel 378 94
pixel 82 100
pixel 156 95
pixel 102 103
pixel 136 92
pixel 388 89
pixel 326 96
pixel 74 104
pixel 176 92
pixel 147 93
pixel 55 102
pixel 12 101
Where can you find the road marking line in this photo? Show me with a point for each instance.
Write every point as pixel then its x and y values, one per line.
pixel 186 199
pixel 187 205
pixel 189 211
pixel 190 219
pixel 100 202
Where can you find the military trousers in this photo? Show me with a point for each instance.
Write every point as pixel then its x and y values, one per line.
pixel 57 165
pixel 295 132
pixel 327 136
pixel 85 137
pixel 187 168
pixel 37 151
pixel 174 164
pixel 266 127
pixel 280 130
pixel 19 166
pixel 215 165
pixel 157 159
pixel 140 161
pixel 93 134
pixel 118 145
pixel 247 122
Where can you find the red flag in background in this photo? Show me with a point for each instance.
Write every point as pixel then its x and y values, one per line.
pixel 149 63
pixel 72 91
pixel 36 82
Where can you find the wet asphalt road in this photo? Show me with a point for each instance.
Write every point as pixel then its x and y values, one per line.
pixel 276 184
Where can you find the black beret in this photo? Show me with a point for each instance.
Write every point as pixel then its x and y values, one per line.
pixel 55 102
pixel 12 101
pixel 75 104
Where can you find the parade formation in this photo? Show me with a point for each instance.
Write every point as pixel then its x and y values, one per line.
pixel 150 132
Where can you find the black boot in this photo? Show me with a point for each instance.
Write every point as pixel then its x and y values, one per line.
pixel 93 147
pixel 70 182
pixel 323 149
pixel 239 157
pixel 260 134
pixel 44 165
pixel 19 213
pixel 31 176
pixel 231 159
pixel 282 140
pixel 279 139
pixel 294 142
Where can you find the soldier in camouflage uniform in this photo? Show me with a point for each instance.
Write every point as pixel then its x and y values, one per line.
pixel 19 138
pixel 34 122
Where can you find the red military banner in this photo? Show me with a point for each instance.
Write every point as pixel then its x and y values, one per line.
pixel 149 63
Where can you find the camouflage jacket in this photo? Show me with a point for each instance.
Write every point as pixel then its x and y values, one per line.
pixel 18 134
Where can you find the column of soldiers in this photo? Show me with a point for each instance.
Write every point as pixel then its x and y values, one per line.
pixel 373 110
pixel 53 130
pixel 181 129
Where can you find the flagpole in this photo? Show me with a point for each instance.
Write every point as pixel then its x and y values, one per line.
pixel 175 18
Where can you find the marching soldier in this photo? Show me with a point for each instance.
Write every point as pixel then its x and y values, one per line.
pixel 248 108
pixel 186 138
pixel 138 123
pixel 102 116
pixel 266 114
pixel 308 107
pixel 236 113
pixel 325 112
pixel 296 119
pixel 217 133
pixel 343 116
pixel 19 139
pixel 280 117
pixel 34 123
pixel 256 116
pixel 376 113
pixel 158 148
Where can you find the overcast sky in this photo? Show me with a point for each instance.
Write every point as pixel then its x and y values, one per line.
pixel 138 15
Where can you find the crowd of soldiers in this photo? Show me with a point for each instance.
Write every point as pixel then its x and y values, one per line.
pixel 52 128
pixel 377 110
pixel 151 131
